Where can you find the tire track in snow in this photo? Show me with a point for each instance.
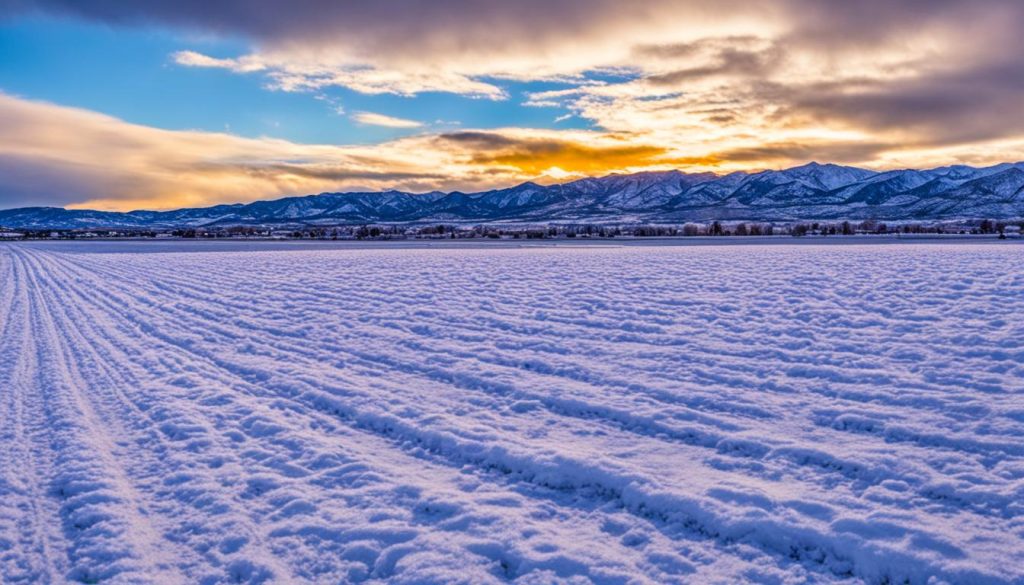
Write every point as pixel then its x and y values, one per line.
pixel 32 550
pixel 158 469
pixel 99 511
pixel 420 462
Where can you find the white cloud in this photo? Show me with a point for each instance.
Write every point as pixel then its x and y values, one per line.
pixel 297 73
pixel 696 75
pixel 372 119
pixel 194 59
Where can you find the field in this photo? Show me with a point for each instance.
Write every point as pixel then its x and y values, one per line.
pixel 204 413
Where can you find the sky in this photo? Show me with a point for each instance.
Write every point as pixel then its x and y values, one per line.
pixel 119 105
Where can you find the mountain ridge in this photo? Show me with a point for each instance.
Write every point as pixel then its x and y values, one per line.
pixel 813 191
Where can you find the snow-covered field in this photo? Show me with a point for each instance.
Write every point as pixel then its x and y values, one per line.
pixel 670 414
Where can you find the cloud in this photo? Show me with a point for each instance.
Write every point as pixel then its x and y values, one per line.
pixel 194 59
pixel 294 72
pixel 371 119
pixel 58 155
pixel 55 155
pixel 409 46
pixel 537 155
pixel 782 153
pixel 396 31
pixel 956 106
pixel 725 85
pixel 748 56
pixel 868 82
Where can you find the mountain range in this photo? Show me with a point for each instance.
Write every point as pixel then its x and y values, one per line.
pixel 809 192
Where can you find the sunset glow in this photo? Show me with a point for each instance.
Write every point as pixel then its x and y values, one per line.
pixel 118 105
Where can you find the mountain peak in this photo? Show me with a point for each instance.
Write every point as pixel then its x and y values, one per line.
pixel 526 185
pixel 827 177
pixel 811 165
pixel 813 191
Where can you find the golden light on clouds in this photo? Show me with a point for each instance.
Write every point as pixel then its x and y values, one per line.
pixel 538 157
pixel 101 162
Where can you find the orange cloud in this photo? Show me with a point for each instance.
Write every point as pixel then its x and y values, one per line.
pixel 78 158
pixel 536 156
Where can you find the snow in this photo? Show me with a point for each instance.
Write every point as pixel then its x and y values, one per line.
pixel 636 414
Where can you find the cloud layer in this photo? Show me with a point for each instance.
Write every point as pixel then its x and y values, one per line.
pixel 68 156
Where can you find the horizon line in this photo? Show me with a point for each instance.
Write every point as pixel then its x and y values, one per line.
pixel 568 181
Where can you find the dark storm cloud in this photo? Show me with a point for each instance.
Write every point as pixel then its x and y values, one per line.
pixel 825 20
pixel 981 34
pixel 387 25
pixel 839 152
pixel 837 23
pixel 324 172
pixel 966 105
pixel 29 182
pixel 726 61
pixel 483 140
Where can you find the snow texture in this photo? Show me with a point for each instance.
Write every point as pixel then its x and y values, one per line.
pixel 699 414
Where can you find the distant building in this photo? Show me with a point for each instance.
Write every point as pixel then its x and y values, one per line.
pixel 11 235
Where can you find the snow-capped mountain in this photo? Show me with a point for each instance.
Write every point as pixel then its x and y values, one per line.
pixel 809 192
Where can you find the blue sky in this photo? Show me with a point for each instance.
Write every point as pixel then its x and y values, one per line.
pixel 129 73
